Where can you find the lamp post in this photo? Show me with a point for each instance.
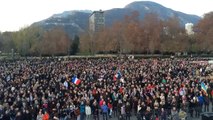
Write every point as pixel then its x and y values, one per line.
pixel 12 53
pixel 91 43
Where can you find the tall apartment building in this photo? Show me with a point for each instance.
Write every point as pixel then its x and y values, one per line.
pixel 96 21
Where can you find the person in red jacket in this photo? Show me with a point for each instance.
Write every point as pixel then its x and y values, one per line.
pixel 45 116
pixel 101 102
pixel 110 108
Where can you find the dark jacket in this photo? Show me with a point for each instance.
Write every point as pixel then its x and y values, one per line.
pixel 128 109
pixel 148 115
pixel 6 117
pixel 95 110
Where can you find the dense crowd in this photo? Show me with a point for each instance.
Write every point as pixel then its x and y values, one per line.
pixel 150 89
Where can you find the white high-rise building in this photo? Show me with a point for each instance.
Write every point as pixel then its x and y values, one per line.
pixel 96 21
pixel 189 28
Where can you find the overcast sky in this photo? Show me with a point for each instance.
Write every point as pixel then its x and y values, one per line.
pixel 15 14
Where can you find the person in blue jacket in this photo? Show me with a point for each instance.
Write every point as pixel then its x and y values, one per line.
pixel 82 111
pixel 201 103
pixel 104 109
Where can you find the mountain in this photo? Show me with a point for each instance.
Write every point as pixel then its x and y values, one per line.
pixel 73 22
pixel 145 7
pixel 77 21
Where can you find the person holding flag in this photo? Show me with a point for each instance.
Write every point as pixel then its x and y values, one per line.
pixel 204 88
pixel 117 76
pixel 75 80
pixel 205 97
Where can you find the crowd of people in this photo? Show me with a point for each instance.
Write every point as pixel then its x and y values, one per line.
pixel 150 89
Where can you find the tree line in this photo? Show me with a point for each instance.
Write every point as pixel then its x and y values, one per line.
pixel 151 35
pixel 35 41
pixel 131 35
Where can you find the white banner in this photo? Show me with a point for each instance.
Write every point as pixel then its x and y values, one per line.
pixel 210 61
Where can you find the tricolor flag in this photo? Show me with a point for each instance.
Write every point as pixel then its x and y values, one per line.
pixel 117 76
pixel 203 87
pixel 8 78
pixel 182 91
pixel 66 84
pixel 75 80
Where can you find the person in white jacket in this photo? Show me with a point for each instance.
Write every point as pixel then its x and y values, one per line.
pixel 88 112
pixel 39 116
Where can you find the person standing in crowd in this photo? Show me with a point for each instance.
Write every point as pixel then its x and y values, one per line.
pixel 19 116
pixel 201 103
pixel 197 106
pixel 156 109
pixel 110 108
pixel 39 116
pixel 191 106
pixel 12 113
pixel 123 110
pixel 88 111
pixel 95 111
pixel 174 114
pixel 163 114
pixel 82 111
pixel 128 111
pixel 184 106
pixel 139 111
pixel 212 99
pixel 115 104
pixel 6 115
pixel 206 103
pixel 1 112
pixel 72 109
pixel 182 115
pixel 142 110
pixel 104 109
pixel 46 116
pixel 148 113
pixel 77 113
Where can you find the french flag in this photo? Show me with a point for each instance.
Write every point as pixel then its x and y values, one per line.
pixel 203 87
pixel 117 76
pixel 76 81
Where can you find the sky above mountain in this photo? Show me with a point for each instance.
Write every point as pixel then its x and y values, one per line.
pixel 15 14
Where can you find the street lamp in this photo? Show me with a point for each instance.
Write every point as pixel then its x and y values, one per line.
pixel 12 53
